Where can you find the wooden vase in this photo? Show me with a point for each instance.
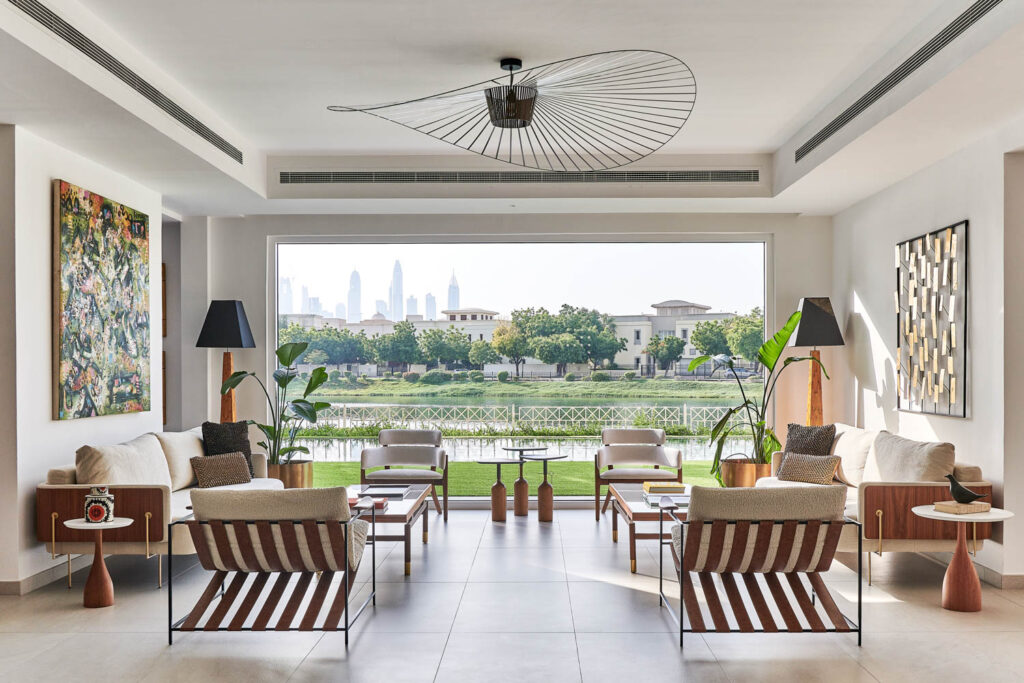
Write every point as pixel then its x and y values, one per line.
pixel 743 473
pixel 298 474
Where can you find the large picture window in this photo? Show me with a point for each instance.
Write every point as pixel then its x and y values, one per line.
pixel 499 344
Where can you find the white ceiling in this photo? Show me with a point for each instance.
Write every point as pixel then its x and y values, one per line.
pixel 270 67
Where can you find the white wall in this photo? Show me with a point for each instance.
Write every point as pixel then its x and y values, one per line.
pixel 8 359
pixel 41 442
pixel 171 252
pixel 240 258
pixel 966 185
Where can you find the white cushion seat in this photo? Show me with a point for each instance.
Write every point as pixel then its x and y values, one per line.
pixel 639 473
pixel 182 498
pixel 775 482
pixel 404 474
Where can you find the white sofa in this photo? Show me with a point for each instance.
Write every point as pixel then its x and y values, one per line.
pixel 151 479
pixel 885 476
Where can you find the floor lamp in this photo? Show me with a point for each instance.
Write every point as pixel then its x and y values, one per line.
pixel 818 327
pixel 226 327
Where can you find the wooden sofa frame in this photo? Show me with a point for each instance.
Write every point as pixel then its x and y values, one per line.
pixel 339 616
pixel 806 602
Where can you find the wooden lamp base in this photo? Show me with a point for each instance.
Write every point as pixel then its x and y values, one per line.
pixel 814 412
pixel 227 401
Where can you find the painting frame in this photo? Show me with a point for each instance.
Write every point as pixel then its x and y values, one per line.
pixel 101 308
pixel 932 320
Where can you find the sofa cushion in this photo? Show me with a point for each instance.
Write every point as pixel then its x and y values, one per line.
pixel 221 470
pixel 287 504
pixel 852 445
pixel 181 500
pixel 967 473
pixel 813 469
pixel 775 482
pixel 810 440
pixel 767 503
pixel 229 437
pixel 139 461
pixel 894 458
pixel 179 448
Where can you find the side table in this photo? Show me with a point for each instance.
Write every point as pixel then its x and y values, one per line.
pixel 99 589
pixel 961 589
pixel 499 497
pixel 521 488
pixel 545 492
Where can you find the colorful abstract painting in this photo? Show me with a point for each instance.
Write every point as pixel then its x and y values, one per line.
pixel 101 305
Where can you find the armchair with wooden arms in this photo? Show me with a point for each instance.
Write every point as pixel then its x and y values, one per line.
pixel 408 456
pixel 644 454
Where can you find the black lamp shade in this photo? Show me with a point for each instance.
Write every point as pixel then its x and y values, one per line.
pixel 226 327
pixel 818 325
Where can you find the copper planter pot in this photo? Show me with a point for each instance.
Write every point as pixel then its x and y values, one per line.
pixel 298 474
pixel 743 473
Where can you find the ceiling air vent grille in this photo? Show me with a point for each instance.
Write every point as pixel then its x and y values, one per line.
pixel 90 49
pixel 943 38
pixel 519 177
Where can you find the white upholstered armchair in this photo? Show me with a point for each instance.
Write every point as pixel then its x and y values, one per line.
pixel 408 456
pixel 633 456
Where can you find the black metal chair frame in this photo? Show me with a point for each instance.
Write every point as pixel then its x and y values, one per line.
pixel 670 512
pixel 358 513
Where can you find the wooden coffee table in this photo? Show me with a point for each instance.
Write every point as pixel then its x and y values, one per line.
pixel 405 511
pixel 628 501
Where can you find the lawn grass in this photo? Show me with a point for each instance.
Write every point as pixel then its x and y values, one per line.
pixel 472 479
pixel 637 388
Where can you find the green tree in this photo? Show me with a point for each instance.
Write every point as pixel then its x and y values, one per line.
pixel 399 347
pixel 665 351
pixel 745 334
pixel 558 350
pixel 537 322
pixel 481 353
pixel 709 338
pixel 510 342
pixel 594 330
pixel 456 346
pixel 316 357
pixel 432 345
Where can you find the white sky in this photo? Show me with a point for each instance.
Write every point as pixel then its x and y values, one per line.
pixel 613 278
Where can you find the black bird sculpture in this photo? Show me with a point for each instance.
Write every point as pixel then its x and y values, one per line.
pixel 960 493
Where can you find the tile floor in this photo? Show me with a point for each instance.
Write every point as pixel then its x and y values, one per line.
pixel 515 602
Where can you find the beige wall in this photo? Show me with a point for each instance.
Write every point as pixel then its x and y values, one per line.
pixel 40 442
pixel 240 255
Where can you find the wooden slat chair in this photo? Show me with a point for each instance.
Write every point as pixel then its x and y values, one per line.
pixel 788 537
pixel 639 448
pixel 305 533
pixel 408 456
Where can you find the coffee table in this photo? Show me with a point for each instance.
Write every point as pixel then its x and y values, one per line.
pixel 405 511
pixel 628 501
pixel 521 488
pixel 499 495
pixel 99 589
pixel 961 589
pixel 545 493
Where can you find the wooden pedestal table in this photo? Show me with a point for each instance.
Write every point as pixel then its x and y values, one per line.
pixel 99 589
pixel 521 488
pixel 961 589
pixel 404 511
pixel 499 495
pixel 628 501
pixel 545 493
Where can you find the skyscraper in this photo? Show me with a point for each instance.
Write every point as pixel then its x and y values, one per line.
pixel 314 306
pixel 453 293
pixel 412 306
pixel 382 308
pixel 305 300
pixel 339 311
pixel 286 297
pixel 397 304
pixel 431 306
pixel 355 296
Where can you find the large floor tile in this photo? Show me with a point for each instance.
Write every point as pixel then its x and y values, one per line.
pixel 786 657
pixel 391 657
pixel 647 657
pixel 518 564
pixel 521 532
pixel 411 607
pixel 600 607
pixel 515 608
pixel 511 657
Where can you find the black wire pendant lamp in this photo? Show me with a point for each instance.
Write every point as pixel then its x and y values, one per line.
pixel 589 113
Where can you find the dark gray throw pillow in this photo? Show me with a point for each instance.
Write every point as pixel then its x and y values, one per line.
pixel 229 437
pixel 810 440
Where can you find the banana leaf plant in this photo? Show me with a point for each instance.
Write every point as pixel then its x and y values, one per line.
pixel 749 417
pixel 286 415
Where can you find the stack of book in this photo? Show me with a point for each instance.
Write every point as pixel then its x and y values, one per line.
pixel 955 508
pixel 654 491
pixel 380 504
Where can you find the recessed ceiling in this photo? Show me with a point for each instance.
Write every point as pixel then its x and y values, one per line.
pixel 270 68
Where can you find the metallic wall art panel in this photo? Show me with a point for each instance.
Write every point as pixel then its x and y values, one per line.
pixel 587 113
pixel 931 321
pixel 101 336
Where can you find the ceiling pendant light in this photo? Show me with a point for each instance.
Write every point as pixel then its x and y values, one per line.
pixel 589 113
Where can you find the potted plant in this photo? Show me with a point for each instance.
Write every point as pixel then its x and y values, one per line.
pixel 751 413
pixel 285 416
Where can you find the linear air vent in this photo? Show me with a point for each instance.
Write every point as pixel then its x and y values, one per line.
pixel 72 36
pixel 518 177
pixel 940 40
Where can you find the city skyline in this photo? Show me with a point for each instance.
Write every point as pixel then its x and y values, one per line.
pixel 614 278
